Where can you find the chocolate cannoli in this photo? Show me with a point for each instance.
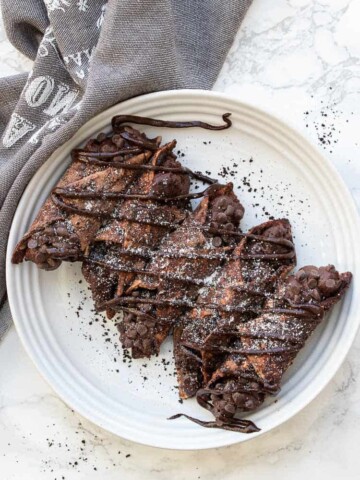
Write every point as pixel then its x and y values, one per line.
pixel 185 260
pixel 73 213
pixel 238 293
pixel 153 206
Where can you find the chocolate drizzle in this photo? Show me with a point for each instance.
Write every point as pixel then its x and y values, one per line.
pixel 238 424
pixel 119 120
pixel 195 256
pixel 82 156
pixel 117 195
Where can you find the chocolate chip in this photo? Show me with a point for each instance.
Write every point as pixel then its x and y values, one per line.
pixel 306 297
pixel 330 268
pixel 127 343
pixel 254 386
pixel 131 333
pixel 312 283
pixel 230 408
pixel 221 218
pixel 40 257
pixel 147 344
pixel 239 213
pixel 214 226
pixel 138 344
pixel 59 245
pixel 311 271
pixel 227 396
pixel 141 329
pixel 118 140
pixel 108 148
pixel 229 226
pixel 32 243
pixel 300 275
pixel 330 283
pixel 230 210
pixel 238 398
pixel 92 146
pixel 217 241
pixel 62 231
pixel 249 404
pixel 222 203
pixel 101 137
pixel 293 287
pixel 328 286
pixel 315 295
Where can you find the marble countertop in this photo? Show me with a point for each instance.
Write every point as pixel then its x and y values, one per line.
pixel 301 60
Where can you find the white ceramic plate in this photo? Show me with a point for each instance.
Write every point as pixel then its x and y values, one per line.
pixel 276 169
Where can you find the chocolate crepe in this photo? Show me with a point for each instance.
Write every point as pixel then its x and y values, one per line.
pixel 154 206
pixel 264 255
pixel 262 349
pixel 183 263
pixel 73 213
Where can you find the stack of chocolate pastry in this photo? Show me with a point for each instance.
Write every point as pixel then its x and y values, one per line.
pixel 237 316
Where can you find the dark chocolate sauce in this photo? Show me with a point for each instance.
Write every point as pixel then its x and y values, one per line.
pixel 83 156
pixel 119 120
pixel 128 196
pixel 86 213
pixel 237 425
pixel 147 144
pixel 302 312
pixel 124 151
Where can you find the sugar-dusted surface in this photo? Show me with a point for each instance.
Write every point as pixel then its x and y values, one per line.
pixel 286 58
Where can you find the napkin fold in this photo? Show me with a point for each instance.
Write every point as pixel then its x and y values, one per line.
pixel 89 55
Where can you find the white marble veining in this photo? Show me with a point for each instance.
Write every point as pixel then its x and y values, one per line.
pixel 290 57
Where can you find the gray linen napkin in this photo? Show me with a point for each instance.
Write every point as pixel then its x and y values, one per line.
pixel 88 56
